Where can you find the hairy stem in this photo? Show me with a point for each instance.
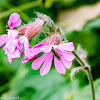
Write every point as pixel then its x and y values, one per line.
pixel 91 83
pixel 79 59
pixel 87 69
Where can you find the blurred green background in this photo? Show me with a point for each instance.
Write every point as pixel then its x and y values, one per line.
pixel 20 80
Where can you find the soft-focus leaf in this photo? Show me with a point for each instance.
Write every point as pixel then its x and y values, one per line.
pixel 52 86
pixel 49 3
pixel 92 25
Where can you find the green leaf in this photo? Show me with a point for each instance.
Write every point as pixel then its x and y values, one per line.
pixel 29 85
pixel 91 25
pixel 49 3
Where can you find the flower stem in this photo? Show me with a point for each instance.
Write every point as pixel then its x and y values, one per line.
pixel 79 59
pixel 91 83
pixel 87 69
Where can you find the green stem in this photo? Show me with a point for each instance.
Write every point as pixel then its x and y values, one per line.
pixel 20 8
pixel 91 83
pixel 86 68
pixel 79 59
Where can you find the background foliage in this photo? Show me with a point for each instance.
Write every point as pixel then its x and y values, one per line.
pixel 19 80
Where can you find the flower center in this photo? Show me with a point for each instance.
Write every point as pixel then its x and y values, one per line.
pixel 55 53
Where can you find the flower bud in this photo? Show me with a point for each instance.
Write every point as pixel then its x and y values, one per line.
pixel 34 28
pixel 22 29
pixel 43 17
pixel 54 39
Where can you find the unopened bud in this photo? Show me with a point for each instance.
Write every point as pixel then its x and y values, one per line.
pixel 54 39
pixel 43 17
pixel 34 28
pixel 23 29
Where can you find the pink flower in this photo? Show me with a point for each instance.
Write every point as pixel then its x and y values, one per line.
pixel 62 57
pixel 13 47
pixel 13 43
pixel 14 20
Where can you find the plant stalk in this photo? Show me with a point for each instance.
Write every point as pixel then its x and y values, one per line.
pixel 87 69
pixel 91 83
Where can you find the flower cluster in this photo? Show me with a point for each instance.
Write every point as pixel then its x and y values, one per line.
pixel 13 46
pixel 52 46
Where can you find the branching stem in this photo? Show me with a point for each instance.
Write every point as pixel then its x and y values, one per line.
pixel 87 69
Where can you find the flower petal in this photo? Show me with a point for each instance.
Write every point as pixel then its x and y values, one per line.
pixel 59 66
pixel 65 62
pixel 25 41
pixel 38 62
pixel 14 20
pixel 31 53
pixel 66 47
pixel 3 39
pixel 4 48
pixel 10 60
pixel 40 45
pixel 16 54
pixel 12 33
pixel 11 46
pixel 46 48
pixel 67 55
pixel 47 64
pixel 24 60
